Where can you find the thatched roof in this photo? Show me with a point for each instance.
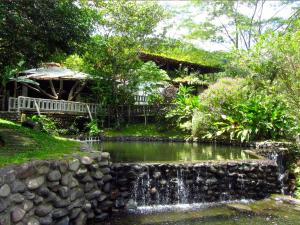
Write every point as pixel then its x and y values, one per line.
pixel 173 64
pixel 53 72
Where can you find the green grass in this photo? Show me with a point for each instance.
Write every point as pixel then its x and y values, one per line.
pixel 143 130
pixel 22 144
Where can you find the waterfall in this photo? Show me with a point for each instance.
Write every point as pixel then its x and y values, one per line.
pixel 278 158
pixel 177 184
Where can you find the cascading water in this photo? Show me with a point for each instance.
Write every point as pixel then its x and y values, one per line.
pixel 278 158
pixel 173 184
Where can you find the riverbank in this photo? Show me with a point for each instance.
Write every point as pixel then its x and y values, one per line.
pixel 20 144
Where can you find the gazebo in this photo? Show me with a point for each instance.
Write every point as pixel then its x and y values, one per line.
pixel 50 88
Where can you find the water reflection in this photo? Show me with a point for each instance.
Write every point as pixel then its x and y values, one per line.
pixel 168 152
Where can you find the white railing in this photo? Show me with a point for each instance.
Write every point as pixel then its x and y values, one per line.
pixel 48 105
pixel 141 100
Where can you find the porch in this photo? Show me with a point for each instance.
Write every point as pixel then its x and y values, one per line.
pixel 39 105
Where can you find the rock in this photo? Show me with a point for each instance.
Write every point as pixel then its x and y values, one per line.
pixel 103 163
pixel 76 193
pixel 43 168
pixel 66 179
pixel 29 195
pixel 74 165
pixel 17 186
pixel 5 219
pixel 43 210
pixel 74 213
pixel 44 192
pixel 29 124
pixel 97 175
pixel 54 175
pixel 4 190
pixel 105 170
pixel 59 213
pixel 3 205
pixel 35 183
pixel 85 160
pixel 33 221
pixel 93 195
pixel 105 155
pixel 153 191
pixel 63 221
pixel 88 186
pixel 37 200
pixel 47 220
pixel 76 204
pixel 107 178
pixel 61 203
pixel 211 181
pixel 81 172
pixel 87 207
pixel 73 183
pixel 63 166
pixel 81 219
pixel 101 217
pixel 240 208
pixel 86 178
pixel 64 192
pixel 17 214
pixel 17 198
pixel 157 175
pixel 107 187
pixel 131 204
pixel 163 182
pixel 27 205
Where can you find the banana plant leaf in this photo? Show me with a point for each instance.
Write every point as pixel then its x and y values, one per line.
pixel 24 80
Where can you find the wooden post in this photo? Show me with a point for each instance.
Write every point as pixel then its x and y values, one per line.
pixel 89 111
pixel 145 116
pixel 37 107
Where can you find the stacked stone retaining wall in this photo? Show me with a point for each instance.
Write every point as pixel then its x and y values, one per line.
pixel 75 190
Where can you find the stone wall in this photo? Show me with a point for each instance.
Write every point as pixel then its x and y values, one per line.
pixel 80 188
pixel 148 184
pixel 56 192
pixel 12 116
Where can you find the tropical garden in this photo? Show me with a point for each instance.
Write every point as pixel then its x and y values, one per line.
pixel 255 95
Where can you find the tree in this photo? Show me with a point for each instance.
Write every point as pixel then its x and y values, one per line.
pixel 237 22
pixel 33 30
pixel 111 56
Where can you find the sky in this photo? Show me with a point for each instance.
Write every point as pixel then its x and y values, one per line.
pixel 180 7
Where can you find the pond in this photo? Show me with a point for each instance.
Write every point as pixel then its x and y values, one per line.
pixel 170 152
pixel 256 213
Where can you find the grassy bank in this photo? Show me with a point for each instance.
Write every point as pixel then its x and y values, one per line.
pixel 20 144
pixel 143 130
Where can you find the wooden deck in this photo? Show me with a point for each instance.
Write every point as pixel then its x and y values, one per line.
pixel 40 105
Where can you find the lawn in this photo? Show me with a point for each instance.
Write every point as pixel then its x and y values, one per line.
pixel 20 144
pixel 143 130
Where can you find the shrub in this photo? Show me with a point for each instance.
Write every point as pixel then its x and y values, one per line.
pixel 93 128
pixel 182 111
pixel 236 113
pixel 215 101
pixel 46 124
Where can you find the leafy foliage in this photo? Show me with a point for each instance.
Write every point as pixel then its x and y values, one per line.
pixel 184 51
pixel 182 110
pixel 33 30
pixel 94 128
pixel 46 124
pixel 227 22
pixel 240 114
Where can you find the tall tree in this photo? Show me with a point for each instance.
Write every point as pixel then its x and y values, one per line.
pixel 239 23
pixel 32 30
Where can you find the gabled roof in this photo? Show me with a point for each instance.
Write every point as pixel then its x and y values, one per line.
pixel 173 64
pixel 52 73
